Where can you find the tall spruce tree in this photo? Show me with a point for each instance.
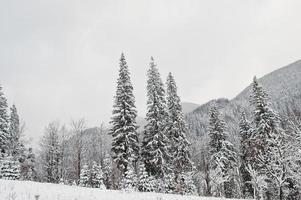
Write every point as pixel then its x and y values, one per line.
pixel 223 157
pixel 265 121
pixel 155 142
pixel 177 129
pixel 125 148
pixel 216 131
pixel 4 125
pixel 266 125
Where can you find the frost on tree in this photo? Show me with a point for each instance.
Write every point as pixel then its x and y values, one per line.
pixel 10 169
pixel 4 125
pixel 280 168
pixel 177 130
pixel 293 148
pixel 155 153
pixel 170 183
pixel 223 157
pixel 124 127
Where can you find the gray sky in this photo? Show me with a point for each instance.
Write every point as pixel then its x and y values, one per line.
pixel 59 59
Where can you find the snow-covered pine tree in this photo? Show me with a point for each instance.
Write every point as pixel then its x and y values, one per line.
pixel 266 124
pixel 216 131
pixel 177 129
pixel 124 127
pixel 130 179
pixel 4 125
pixel 265 121
pixel 223 157
pixel 84 180
pixel 10 169
pixel 144 180
pixel 97 176
pixel 14 132
pixel 155 152
pixel 245 154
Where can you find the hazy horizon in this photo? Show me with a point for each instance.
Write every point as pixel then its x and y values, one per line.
pixel 60 59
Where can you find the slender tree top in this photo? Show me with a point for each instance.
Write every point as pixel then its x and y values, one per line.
pixel 155 87
pixel 263 114
pixel 259 96
pixel 177 124
pixel 124 98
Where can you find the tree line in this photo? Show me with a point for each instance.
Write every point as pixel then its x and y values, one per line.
pixel 262 161
pixel 16 160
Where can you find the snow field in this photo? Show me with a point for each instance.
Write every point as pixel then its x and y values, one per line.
pixel 27 190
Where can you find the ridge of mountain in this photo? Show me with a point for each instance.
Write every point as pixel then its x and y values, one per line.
pixel 282 85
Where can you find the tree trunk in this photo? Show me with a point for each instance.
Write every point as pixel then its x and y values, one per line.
pixel 280 193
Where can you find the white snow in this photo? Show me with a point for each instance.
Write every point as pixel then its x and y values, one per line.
pixel 27 190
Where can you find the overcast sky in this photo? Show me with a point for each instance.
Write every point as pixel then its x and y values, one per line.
pixel 59 58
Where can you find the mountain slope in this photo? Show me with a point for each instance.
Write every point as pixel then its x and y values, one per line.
pixel 283 84
pixel 284 89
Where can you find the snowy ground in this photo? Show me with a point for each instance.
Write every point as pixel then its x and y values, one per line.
pixel 26 190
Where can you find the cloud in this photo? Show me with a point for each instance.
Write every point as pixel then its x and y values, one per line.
pixel 59 59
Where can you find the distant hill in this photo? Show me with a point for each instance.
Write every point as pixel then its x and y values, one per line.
pixel 186 106
pixel 284 89
pixel 189 107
